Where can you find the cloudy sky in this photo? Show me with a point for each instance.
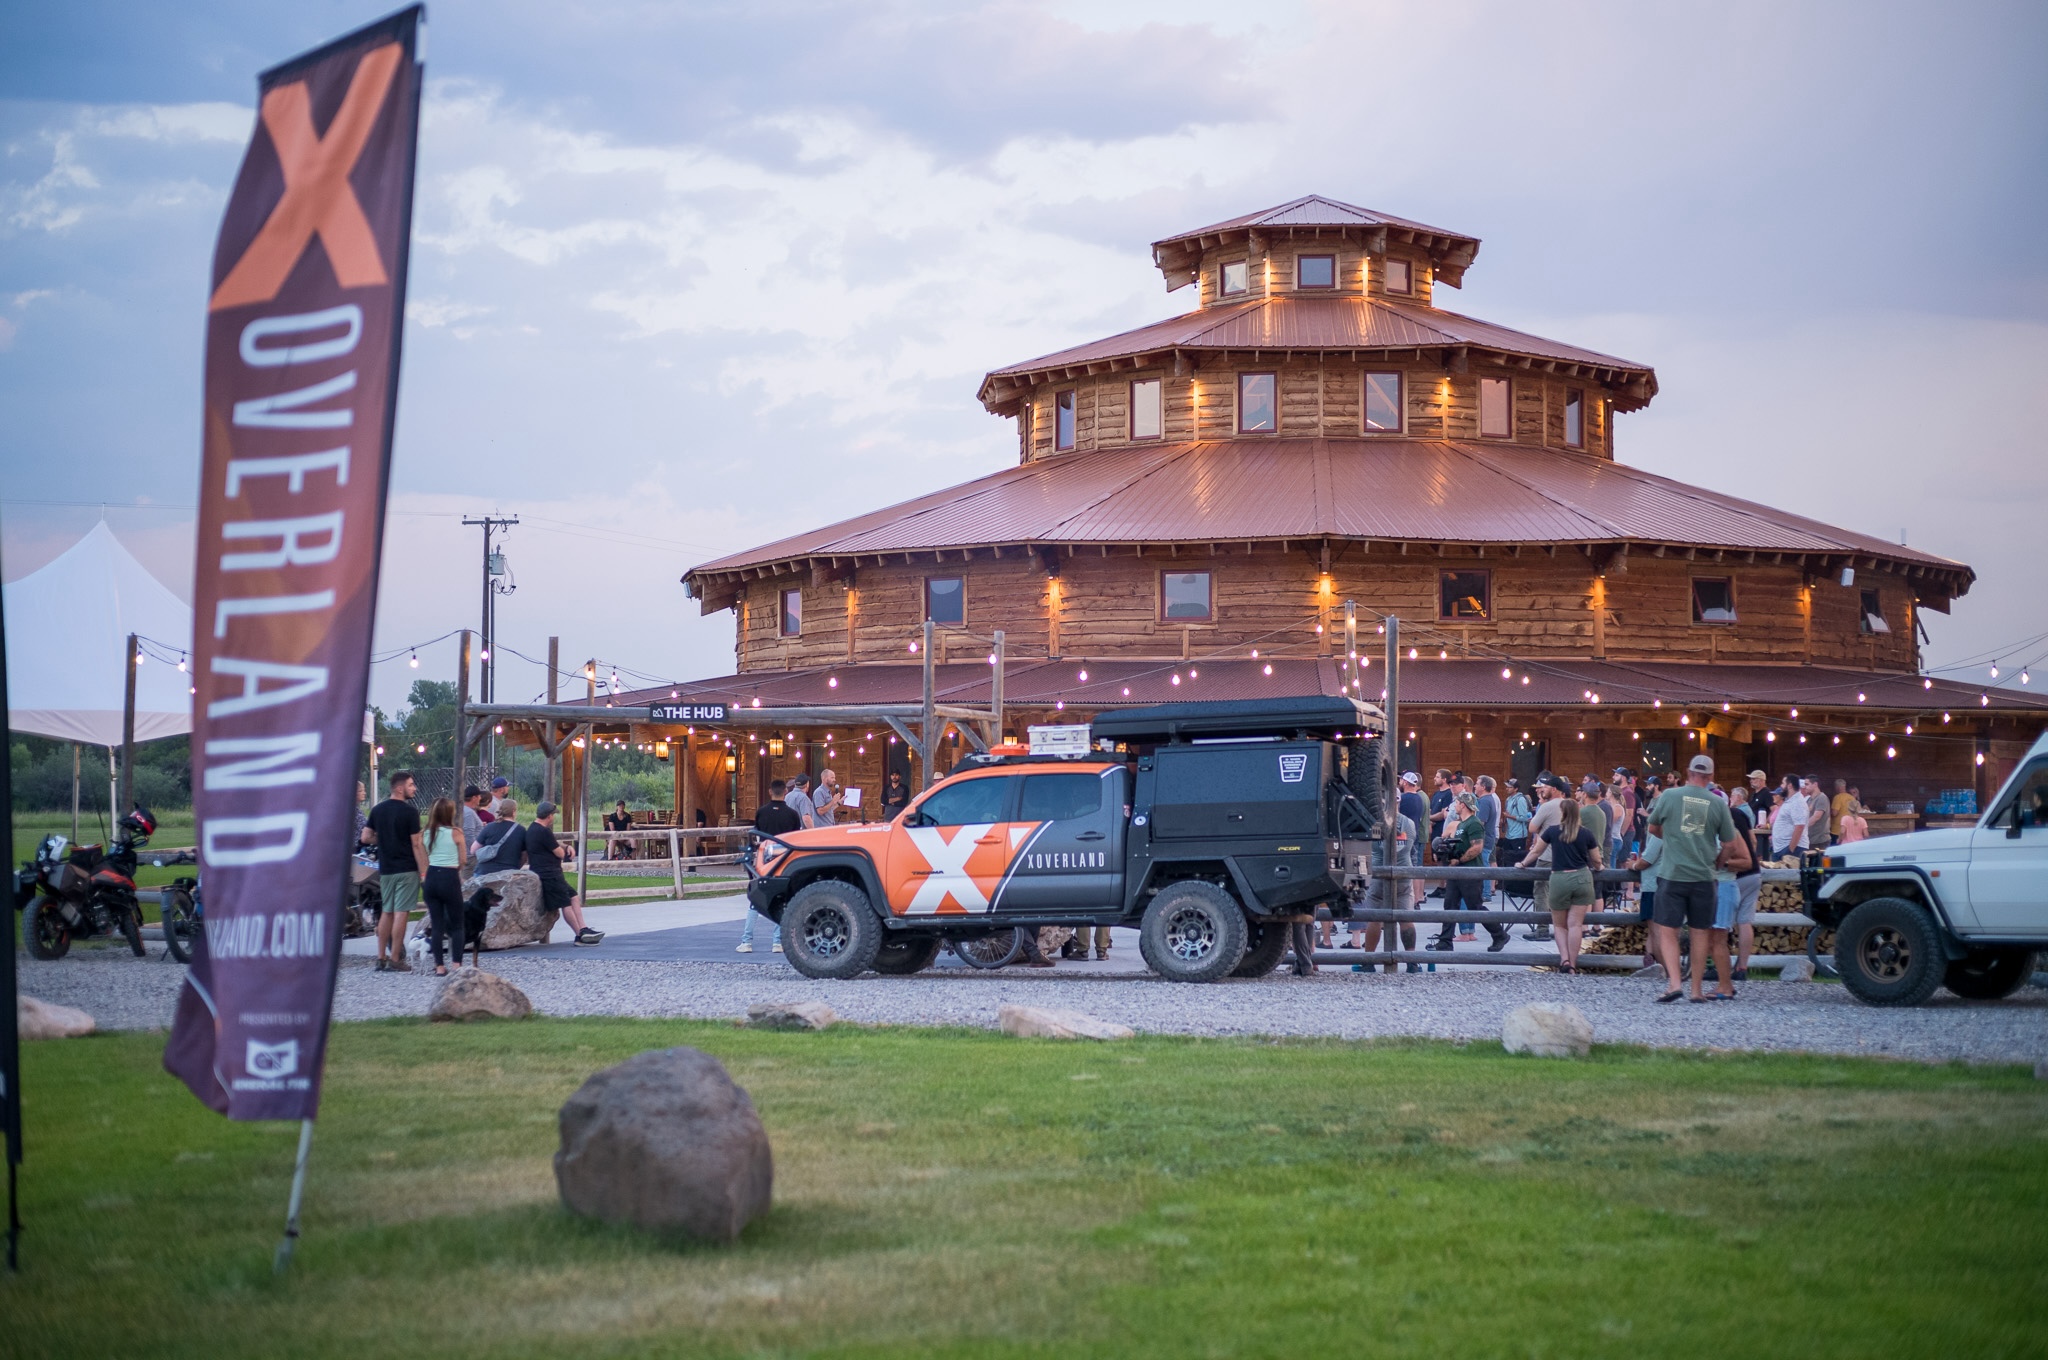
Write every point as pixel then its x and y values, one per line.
pixel 689 277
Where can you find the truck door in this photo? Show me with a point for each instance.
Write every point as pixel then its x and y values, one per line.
pixel 2009 873
pixel 947 855
pixel 1071 855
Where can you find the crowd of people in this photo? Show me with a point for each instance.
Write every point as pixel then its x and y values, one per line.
pixel 419 864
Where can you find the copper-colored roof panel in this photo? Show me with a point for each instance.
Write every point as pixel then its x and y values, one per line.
pixel 1313 210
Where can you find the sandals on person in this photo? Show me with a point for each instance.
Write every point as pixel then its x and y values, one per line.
pixel 1671 996
pixel 1720 996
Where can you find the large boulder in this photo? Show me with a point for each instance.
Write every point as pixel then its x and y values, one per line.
pixel 47 1020
pixel 665 1140
pixel 473 994
pixel 791 1015
pixel 1796 970
pixel 1039 1022
pixel 517 917
pixel 1548 1029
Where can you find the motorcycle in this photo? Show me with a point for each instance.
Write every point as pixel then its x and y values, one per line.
pixel 83 892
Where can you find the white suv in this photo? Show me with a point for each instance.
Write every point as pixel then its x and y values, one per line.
pixel 1961 907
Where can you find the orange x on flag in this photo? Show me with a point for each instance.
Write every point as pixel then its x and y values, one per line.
pixel 318 199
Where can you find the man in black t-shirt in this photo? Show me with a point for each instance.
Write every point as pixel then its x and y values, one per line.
pixel 544 855
pixel 394 828
pixel 777 817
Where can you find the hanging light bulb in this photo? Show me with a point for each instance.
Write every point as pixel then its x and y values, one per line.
pixel 1770 736
pixel 913 649
pixel 590 670
pixel 1944 717
pixel 1837 741
pixel 1255 654
pixel 1127 691
pixel 380 750
pixel 1176 678
pixel 1983 701
pixel 1412 653
pixel 1795 712
pixel 1980 757
pixel 1059 705
pixel 675 694
pixel 991 658
pixel 832 682
pixel 484 655
pixel 415 660
pixel 1802 739
pixel 1685 720
pixel 1724 706
pixel 1656 703
pixel 139 657
pixel 1084 677
pixel 1525 679
pixel 1861 696
pixel 181 663
pixel 1891 752
pixel 421 748
pixel 1596 696
pixel 1926 684
pixel 1994 670
pixel 1507 673
pixel 1194 674
pixel 2025 678
pixel 1269 668
pixel 1873 736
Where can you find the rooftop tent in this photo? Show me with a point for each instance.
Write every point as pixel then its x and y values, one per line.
pixel 66 626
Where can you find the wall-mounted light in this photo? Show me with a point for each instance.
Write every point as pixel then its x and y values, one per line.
pixel 661 749
pixel 775 747
pixel 732 762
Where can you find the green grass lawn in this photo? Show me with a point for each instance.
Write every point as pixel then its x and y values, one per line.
pixel 955 1193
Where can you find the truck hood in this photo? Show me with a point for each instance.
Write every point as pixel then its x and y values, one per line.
pixel 1921 847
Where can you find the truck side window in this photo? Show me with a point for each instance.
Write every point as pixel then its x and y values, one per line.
pixel 965 803
pixel 1060 797
pixel 2030 796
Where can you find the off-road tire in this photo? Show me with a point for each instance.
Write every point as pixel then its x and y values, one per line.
pixel 1889 953
pixel 44 931
pixel 181 927
pixel 829 930
pixel 131 930
pixel 1366 780
pixel 903 953
pixel 1192 932
pixel 996 949
pixel 1265 946
pixel 1989 974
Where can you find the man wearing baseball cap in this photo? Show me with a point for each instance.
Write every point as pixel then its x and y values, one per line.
pixel 1694 826
pixel 1416 811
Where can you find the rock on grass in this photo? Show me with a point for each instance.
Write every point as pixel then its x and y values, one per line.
pixel 791 1015
pixel 46 1020
pixel 1548 1029
pixel 1038 1022
pixel 473 994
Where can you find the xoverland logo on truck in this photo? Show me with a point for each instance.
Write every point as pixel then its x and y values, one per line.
pixel 1292 766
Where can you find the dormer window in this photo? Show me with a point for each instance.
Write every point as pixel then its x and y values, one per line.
pixel 1873 613
pixel 1063 420
pixel 1575 418
pixel 1236 278
pixel 1315 271
pixel 1493 409
pixel 1383 403
pixel 1147 410
pixel 1400 280
pixel 1257 412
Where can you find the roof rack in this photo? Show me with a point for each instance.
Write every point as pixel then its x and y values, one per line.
pixel 1326 716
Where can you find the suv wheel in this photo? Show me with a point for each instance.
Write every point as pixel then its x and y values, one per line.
pixel 902 953
pixel 1192 932
pixel 1889 953
pixel 1266 945
pixel 830 931
pixel 1988 974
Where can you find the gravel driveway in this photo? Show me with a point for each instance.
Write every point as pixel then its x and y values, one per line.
pixel 122 992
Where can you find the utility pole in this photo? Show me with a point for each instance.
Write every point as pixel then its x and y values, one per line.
pixel 553 753
pixel 494 568
pixel 124 791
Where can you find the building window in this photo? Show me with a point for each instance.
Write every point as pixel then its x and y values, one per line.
pixel 1575 418
pixel 1383 402
pixel 1147 411
pixel 1713 599
pixel 1656 758
pixel 1399 279
pixel 945 600
pixel 1315 271
pixel 1493 409
pixel 1063 420
pixel 1236 276
pixel 1465 596
pixel 1257 412
pixel 792 613
pixel 1184 597
pixel 1873 613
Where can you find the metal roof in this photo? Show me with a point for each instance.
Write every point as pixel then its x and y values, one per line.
pixel 1392 490
pixel 1320 324
pixel 1313 210
pixel 1451 251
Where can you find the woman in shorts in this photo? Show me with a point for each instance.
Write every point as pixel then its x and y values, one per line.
pixel 1574 855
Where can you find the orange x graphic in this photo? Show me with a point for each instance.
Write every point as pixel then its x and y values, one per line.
pixel 318 199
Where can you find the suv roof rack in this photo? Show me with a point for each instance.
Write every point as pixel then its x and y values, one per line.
pixel 1316 714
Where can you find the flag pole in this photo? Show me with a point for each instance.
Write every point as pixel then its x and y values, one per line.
pixel 283 1258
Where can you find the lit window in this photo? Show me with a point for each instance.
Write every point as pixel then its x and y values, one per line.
pixel 1873 613
pixel 1147 418
pixel 1464 595
pixel 1398 278
pixel 1315 271
pixel 945 600
pixel 792 613
pixel 1236 277
pixel 1383 401
pixel 1256 412
pixel 1063 420
pixel 1184 595
pixel 1493 408
pixel 1713 599
pixel 1575 418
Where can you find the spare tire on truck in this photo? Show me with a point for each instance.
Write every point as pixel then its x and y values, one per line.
pixel 1365 779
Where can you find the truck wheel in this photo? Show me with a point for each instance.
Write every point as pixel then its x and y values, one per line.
pixel 44 931
pixel 1988 974
pixel 904 954
pixel 1266 945
pixel 1888 953
pixel 1192 932
pixel 830 931
pixel 1363 774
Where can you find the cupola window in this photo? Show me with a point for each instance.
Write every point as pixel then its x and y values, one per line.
pixel 792 613
pixel 1493 408
pixel 1465 596
pixel 1575 418
pixel 1257 412
pixel 1315 271
pixel 1713 599
pixel 1063 420
pixel 1236 278
pixel 945 600
pixel 1184 597
pixel 1383 403
pixel 1399 278
pixel 1147 410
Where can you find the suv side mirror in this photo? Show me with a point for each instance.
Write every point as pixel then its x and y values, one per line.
pixel 2012 830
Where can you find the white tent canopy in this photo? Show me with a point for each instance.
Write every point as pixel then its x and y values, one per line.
pixel 67 626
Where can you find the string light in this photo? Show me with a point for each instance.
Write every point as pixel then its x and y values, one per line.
pixel 1194 674
pixel 1802 739
pixel 1176 678
pixel 1994 670
pixel 1525 679
pixel 415 660
pixel 1656 703
pixel 1507 673
pixel 1770 736
pixel 1838 739
pixel 913 649
pixel 1127 691
pixel 1926 684
pixel 1443 654
pixel 1891 752
pixel 832 682
pixel 1944 717
pixel 1412 654
pixel 1084 677
pixel 1980 757
pixel 1269 668
pixel 139 657
pixel 484 655
pixel 1860 697
pixel 1795 712
pixel 2024 677
pixel 181 663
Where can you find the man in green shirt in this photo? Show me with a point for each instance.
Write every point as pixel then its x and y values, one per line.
pixel 1694 824
pixel 1468 836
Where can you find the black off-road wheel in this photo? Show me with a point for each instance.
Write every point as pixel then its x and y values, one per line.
pixel 1365 778
pixel 1192 932
pixel 44 931
pixel 1265 946
pixel 181 923
pixel 996 949
pixel 1889 953
pixel 1989 974
pixel 829 930
pixel 131 929
pixel 902 953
